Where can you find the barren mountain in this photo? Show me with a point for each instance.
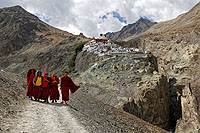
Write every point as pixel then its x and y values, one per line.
pixel 26 42
pixel 176 43
pixel 135 82
pixel 131 29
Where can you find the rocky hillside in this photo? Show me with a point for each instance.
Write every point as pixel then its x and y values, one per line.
pixel 190 100
pixel 12 93
pixel 26 42
pixel 17 29
pixel 119 82
pixel 131 29
pixel 130 82
pixel 176 43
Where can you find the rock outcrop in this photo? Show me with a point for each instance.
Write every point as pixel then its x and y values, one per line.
pixel 152 102
pixel 120 79
pixel 190 101
pixel 176 43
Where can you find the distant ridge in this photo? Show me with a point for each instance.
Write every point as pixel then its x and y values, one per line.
pixel 140 26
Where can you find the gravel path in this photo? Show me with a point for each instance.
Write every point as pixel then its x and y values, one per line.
pixel 82 114
pixel 52 118
pixel 39 117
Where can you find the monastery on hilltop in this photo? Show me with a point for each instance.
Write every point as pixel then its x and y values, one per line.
pixel 103 46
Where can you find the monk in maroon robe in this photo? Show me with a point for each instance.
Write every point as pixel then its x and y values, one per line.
pixel 54 88
pixel 46 86
pixel 30 77
pixel 66 85
pixel 37 82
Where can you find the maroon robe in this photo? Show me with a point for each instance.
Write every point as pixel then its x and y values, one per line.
pixel 30 78
pixel 45 89
pixel 37 91
pixel 54 89
pixel 30 85
pixel 66 85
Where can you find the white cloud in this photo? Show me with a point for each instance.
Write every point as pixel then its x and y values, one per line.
pixel 77 16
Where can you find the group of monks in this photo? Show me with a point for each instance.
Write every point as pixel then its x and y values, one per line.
pixel 42 87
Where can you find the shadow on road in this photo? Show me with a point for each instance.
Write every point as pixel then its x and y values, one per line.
pixel 57 104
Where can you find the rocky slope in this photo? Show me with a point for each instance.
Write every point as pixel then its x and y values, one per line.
pixel 140 26
pixel 190 101
pixel 176 43
pixel 12 93
pixel 85 60
pixel 26 42
pixel 130 82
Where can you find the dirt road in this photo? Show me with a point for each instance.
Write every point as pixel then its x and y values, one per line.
pixel 83 114
pixel 52 118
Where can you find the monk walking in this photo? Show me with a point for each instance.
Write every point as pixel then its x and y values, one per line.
pixel 30 77
pixel 54 88
pixel 66 85
pixel 37 82
pixel 46 86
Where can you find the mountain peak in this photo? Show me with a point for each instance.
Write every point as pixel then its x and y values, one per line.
pixel 141 25
pixel 144 18
pixel 17 27
pixel 141 19
pixel 16 8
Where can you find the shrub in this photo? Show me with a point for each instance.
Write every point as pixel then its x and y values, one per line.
pixel 78 49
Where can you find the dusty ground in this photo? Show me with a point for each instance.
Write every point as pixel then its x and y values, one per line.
pixel 82 114
pixel 12 93
pixel 38 117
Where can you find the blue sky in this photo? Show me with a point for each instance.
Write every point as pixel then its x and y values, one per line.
pixel 42 17
pixel 116 15
pixel 93 17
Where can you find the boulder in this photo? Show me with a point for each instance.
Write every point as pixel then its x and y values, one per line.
pixel 190 101
pixel 152 102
